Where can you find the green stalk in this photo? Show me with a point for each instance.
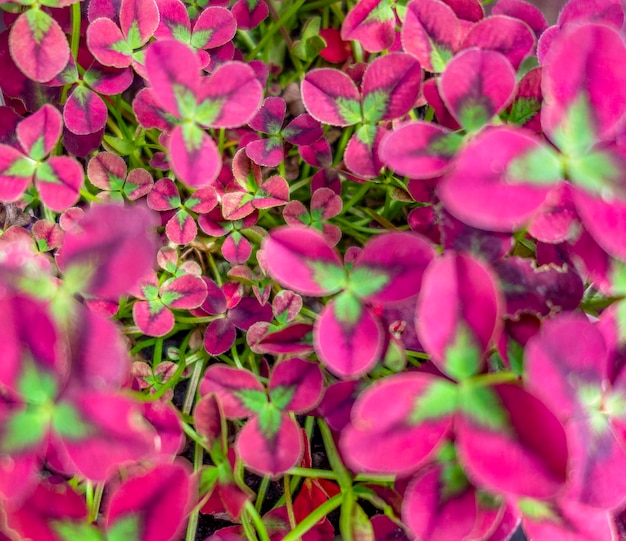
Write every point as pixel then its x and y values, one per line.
pixel 313 473
pixel 257 521
pixel 262 491
pixel 314 517
pixel 192 525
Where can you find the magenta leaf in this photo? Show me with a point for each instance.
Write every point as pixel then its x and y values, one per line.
pixel 214 27
pixel 59 181
pixel 608 12
pixel 138 20
pixel 84 112
pixel 302 259
pixel 107 44
pixel 391 86
pixel 582 100
pixel 107 171
pixel 419 149
pixel 229 97
pixel 164 195
pixel 40 132
pixel 183 292
pixel 38 45
pixel 331 97
pixel 398 422
pixel 174 21
pixel 270 443
pixel 97 432
pixel 502 426
pixel 267 152
pixel 238 391
pixel 348 338
pixel 302 130
pixel 506 35
pixel 468 10
pixel 458 313
pixel 432 33
pixel 155 502
pixel 361 155
pixel 16 172
pixel 296 385
pixel 249 13
pixel 194 155
pixel 108 81
pixel 153 317
pixel 181 228
pixel 476 85
pixel 219 336
pixel 390 267
pixel 524 11
pixel 500 179
pixel 208 419
pixel 113 246
pixel 269 119
pixel 372 23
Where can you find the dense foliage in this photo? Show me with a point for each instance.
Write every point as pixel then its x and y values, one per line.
pixel 297 270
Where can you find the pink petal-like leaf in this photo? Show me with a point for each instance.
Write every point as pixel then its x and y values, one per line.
pixel 249 311
pixel 269 119
pixel 361 155
pixel 84 112
pixel 419 149
pixel 348 338
pixel 500 179
pixel 286 306
pixel 397 423
pixel 303 130
pixel 97 432
pixel 153 318
pixel 249 13
pixel 271 443
pixel 236 248
pixel 174 73
pixel 138 183
pixel 40 132
pixel 506 35
pixel 107 44
pixel 108 81
pixel 138 20
pixel 372 23
pixel 219 336
pixel 214 27
pixel 331 97
pixel 432 33
pixel 115 245
pixel 164 195
pixel 266 152
pixel 150 114
pixel 238 391
pixel 458 313
pixel 107 171
pixel 390 267
pixel 296 385
pixel 468 10
pixel 155 503
pixel 295 339
pixel 302 260
pixel 208 418
pixel 16 173
pixel 583 101
pixel 186 291
pixel 608 12
pixel 274 192
pixel 237 205
pixel 38 45
pixel 391 86
pixel 181 228
pixel 524 11
pixel 59 181
pixel 194 156
pixel 174 21
pixel 476 85
pixel 503 429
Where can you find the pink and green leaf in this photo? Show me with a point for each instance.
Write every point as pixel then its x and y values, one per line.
pixel 303 130
pixel 108 81
pixel 84 112
pixel 138 183
pixel 372 23
pixel 107 171
pixel 139 20
pixel 361 155
pixel 331 97
pixel 390 267
pixel 506 35
pixel 499 179
pixel 16 173
pixel 219 336
pixel 397 423
pixel 107 44
pixel 302 260
pixel 153 318
pixel 213 28
pixel 270 443
pixel 181 228
pixel 348 338
pixel 432 33
pixel 59 181
pixel 525 12
pixel 391 86
pixel 38 45
pixel 269 119
pixel 184 292
pixel 296 385
pixel 40 132
pixel 239 391
pixel 504 428
pixel 194 156
pixel 267 152
pixel 476 85
pixel 249 13
pixel 458 313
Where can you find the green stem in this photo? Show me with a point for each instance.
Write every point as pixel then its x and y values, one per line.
pixel 314 517
pixel 192 525
pixel 262 491
pixel 257 521
pixel 313 473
